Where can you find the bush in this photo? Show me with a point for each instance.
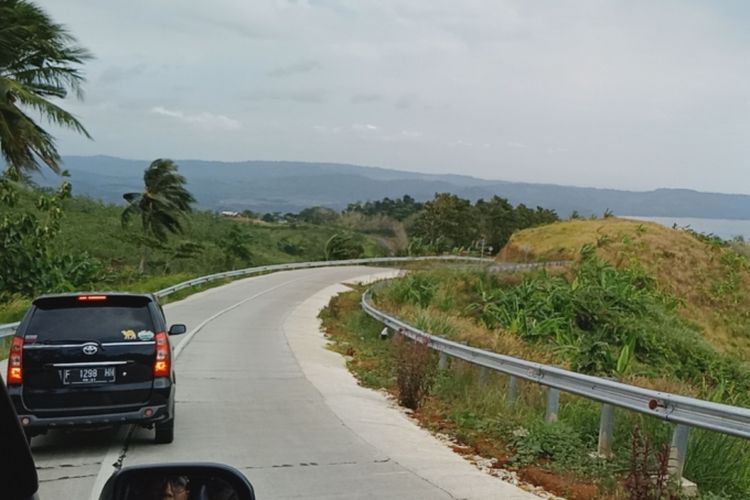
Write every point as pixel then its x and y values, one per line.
pixel 415 370
pixel 416 288
pixel 343 246
pixel 556 441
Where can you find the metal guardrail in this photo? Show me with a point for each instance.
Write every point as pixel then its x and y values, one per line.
pixel 684 411
pixel 8 328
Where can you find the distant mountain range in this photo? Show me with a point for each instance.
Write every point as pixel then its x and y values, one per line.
pixel 284 186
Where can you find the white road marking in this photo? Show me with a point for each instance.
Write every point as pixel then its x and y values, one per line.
pixel 115 455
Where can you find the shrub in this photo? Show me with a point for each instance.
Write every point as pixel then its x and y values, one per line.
pixel 415 370
pixel 556 441
pixel 416 288
pixel 343 246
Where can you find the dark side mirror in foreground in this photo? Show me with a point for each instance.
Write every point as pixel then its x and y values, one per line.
pixel 180 481
pixel 177 329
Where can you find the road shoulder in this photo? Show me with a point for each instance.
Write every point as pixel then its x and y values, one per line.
pixel 374 418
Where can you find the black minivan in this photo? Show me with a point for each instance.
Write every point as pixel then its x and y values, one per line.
pixel 93 359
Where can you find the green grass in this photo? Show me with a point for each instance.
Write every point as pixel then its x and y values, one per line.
pixel 14 309
pixel 4 347
pixel 478 416
pixel 710 277
pixel 595 318
pixel 94 227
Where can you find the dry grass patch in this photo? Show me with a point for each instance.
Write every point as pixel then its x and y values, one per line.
pixel 711 281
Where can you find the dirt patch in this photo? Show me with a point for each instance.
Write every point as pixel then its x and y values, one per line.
pixel 558 484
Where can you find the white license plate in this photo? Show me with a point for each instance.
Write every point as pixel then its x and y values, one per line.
pixel 98 375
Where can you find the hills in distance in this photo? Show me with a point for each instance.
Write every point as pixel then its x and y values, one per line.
pixel 287 186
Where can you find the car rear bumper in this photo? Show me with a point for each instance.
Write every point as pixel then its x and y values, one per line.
pixel 158 408
pixel 145 415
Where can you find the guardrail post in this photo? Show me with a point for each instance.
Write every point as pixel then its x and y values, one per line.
pixel 442 361
pixel 483 376
pixel 553 404
pixel 678 450
pixel 606 429
pixel 511 390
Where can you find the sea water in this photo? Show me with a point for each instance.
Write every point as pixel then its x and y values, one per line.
pixel 723 228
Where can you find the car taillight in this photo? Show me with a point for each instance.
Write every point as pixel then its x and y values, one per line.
pixel 85 298
pixel 161 363
pixel 15 361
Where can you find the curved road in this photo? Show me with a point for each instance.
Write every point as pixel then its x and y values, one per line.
pixel 257 390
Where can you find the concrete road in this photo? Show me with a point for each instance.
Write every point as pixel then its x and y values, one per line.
pixel 257 390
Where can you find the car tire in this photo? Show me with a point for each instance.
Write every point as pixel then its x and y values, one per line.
pixel 164 432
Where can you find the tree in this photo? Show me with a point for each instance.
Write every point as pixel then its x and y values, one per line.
pixel 343 246
pixel 318 215
pixel 234 246
pixel 30 259
pixel 399 209
pixel 39 61
pixel 162 203
pixel 446 222
pixel 497 221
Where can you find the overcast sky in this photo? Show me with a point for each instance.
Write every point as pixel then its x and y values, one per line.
pixel 626 94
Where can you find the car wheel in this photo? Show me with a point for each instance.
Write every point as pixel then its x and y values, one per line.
pixel 164 432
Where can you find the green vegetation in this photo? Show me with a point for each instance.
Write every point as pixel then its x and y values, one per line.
pixel 161 205
pixel 448 222
pixel 707 277
pixel 39 62
pixel 343 246
pixel 399 209
pixel 593 318
pixel 638 304
pixel 556 456
pixel 29 224
pixel 90 227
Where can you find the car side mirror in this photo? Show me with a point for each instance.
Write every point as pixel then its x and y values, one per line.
pixel 177 329
pixel 201 481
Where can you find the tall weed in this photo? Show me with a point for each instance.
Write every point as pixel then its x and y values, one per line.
pixel 416 288
pixel 415 369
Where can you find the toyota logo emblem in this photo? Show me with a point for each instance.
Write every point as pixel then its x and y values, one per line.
pixel 90 349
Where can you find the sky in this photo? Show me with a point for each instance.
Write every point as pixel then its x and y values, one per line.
pixel 624 94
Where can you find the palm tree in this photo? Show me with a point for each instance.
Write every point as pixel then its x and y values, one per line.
pixel 38 61
pixel 162 203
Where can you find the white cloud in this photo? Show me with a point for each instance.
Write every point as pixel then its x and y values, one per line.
pixel 365 126
pixel 205 120
pixel 638 94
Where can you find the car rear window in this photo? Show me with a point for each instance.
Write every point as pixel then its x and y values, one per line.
pixel 109 320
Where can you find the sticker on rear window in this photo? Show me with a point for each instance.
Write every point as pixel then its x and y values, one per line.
pixel 146 335
pixel 30 339
pixel 128 335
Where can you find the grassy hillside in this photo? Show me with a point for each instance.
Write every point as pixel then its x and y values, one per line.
pixel 103 255
pixel 94 227
pixel 649 306
pixel 709 278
